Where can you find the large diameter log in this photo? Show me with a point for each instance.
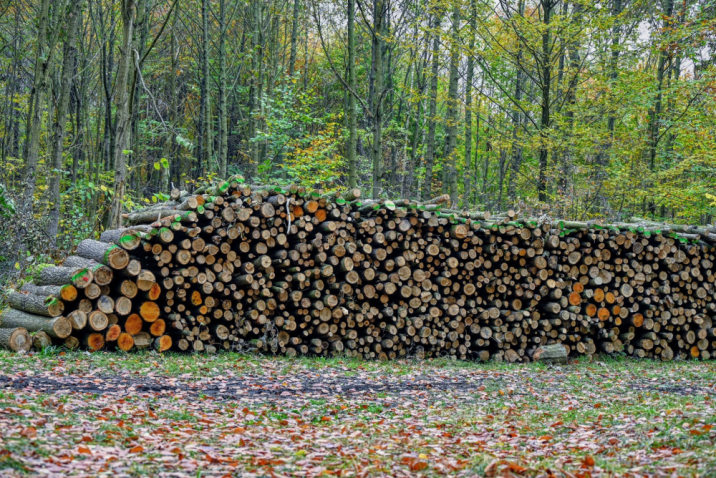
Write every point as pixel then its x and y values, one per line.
pixel 58 327
pixel 107 254
pixel 80 277
pixel 16 339
pixel 556 353
pixel 36 304
pixel 66 293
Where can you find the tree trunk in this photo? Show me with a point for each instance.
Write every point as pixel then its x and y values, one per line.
pixel 452 108
pixel 206 96
pixel 352 113
pixel 294 34
pixel 378 18
pixel 122 115
pixel 655 113
pixel 68 67
pixel 223 102
pixel 432 108
pixel 545 104
pixel 516 162
pixel 43 64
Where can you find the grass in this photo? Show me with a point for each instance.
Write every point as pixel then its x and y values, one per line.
pixel 218 415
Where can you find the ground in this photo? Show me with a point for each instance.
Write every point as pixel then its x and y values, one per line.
pixel 80 414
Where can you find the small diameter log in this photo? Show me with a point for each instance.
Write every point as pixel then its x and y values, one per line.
pixel 163 343
pixel 112 333
pixel 80 277
pixel 66 293
pixel 556 353
pixel 125 342
pixel 107 254
pixel 103 275
pixel 149 311
pixel 36 304
pixel 16 339
pixel 98 321
pixel 78 319
pixel 58 327
pixel 93 341
pixel 40 340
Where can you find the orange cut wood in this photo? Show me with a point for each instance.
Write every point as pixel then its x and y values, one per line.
pixel 603 314
pixel 94 341
pixel 155 292
pixel 196 298
pixel 149 311
pixel 591 310
pixel 311 206
pixel 163 343
pixel 297 211
pixel 637 320
pixel 609 297
pixel 133 324
pixel 598 295
pixel 125 342
pixel 575 299
pixel 320 215
pixel 112 333
pixel 578 287
pixel 158 328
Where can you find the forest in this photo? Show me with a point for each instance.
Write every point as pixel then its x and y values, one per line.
pixel 568 109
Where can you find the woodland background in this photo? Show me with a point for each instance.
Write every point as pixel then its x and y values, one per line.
pixel 574 109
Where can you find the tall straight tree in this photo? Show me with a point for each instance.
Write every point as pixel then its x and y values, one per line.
pixel 68 66
pixel 121 103
pixel 48 28
pixel 452 106
pixel 468 179
pixel 352 113
pixel 433 102
pixel 223 101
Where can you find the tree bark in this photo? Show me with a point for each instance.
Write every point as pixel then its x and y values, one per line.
pixel 352 113
pixel 122 115
pixel 452 107
pixel 68 67
pixel 432 108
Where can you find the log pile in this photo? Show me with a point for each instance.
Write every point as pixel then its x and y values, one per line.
pixel 290 271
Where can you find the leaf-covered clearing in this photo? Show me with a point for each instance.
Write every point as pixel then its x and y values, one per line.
pixel 77 414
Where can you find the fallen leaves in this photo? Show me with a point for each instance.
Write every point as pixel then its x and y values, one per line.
pixel 228 415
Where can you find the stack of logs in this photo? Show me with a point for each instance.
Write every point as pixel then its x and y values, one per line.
pixel 290 271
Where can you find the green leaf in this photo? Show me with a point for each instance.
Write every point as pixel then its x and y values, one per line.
pixel 165 163
pixel 157 166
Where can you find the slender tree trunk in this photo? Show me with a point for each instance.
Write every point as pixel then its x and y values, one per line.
pixel 294 33
pixel 223 116
pixel 352 113
pixel 43 58
pixel 655 113
pixel 545 106
pixel 379 13
pixel 468 176
pixel 174 162
pixel 452 107
pixel 68 67
pixel 516 162
pixel 432 108
pixel 121 102
pixel 207 138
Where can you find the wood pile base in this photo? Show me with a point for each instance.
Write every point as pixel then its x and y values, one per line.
pixel 289 271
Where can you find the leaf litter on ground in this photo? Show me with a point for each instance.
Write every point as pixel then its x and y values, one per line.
pixel 76 414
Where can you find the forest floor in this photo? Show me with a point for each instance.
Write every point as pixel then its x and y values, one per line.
pixel 102 414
